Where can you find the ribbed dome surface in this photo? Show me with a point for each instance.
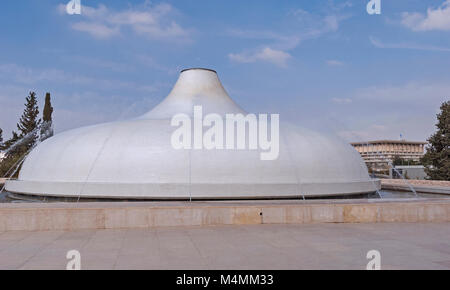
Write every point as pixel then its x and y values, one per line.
pixel 135 158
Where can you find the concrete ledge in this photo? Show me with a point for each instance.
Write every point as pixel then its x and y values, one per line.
pixel 117 215
pixel 417 188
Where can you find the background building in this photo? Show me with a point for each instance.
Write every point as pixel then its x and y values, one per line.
pixel 378 154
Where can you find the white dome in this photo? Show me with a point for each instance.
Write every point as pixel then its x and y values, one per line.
pixel 135 158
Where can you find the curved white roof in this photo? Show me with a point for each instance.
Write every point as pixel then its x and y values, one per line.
pixel 135 158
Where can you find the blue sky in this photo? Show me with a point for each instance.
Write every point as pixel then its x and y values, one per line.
pixel 326 65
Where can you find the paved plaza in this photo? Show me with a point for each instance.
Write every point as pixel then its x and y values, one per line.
pixel 310 246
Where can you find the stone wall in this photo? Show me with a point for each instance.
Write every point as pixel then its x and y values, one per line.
pixel 73 216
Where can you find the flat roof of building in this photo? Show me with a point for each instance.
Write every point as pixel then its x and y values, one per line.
pixel 389 142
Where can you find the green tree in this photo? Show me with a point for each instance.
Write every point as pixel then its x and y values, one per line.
pixel 13 154
pixel 397 160
pixel 29 121
pixel 437 158
pixel 19 144
pixel 48 109
pixel 1 139
pixel 46 127
pixel 8 143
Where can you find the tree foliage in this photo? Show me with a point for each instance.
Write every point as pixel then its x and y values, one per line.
pixel 399 161
pixel 1 139
pixel 437 158
pixel 46 127
pixel 48 109
pixel 19 144
pixel 29 121
pixel 13 154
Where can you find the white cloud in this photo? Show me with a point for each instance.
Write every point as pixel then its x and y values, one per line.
pixel 342 100
pixel 97 30
pixel 377 43
pixel 267 54
pixel 334 62
pixel 26 75
pixel 153 22
pixel 331 22
pixel 313 25
pixel 299 13
pixel 435 19
pixel 16 74
pixel 418 93
pixel 385 111
pixel 319 22
pixel 276 57
pixel 307 26
pixel 98 62
pixel 279 40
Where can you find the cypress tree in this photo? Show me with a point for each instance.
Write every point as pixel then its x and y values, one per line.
pixel 437 158
pixel 46 127
pixel 48 109
pixel 1 139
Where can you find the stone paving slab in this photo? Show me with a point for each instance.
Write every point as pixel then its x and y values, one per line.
pixel 307 246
